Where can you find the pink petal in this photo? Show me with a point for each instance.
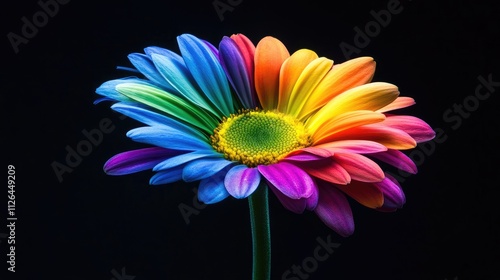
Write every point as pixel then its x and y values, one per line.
pixel 359 167
pixel 353 146
pixel 334 210
pixel 326 169
pixel 417 128
pixel 288 179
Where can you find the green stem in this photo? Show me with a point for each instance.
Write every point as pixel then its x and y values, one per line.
pixel 261 233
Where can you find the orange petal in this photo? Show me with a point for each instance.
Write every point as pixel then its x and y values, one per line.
pixel 290 72
pixel 326 169
pixel 366 194
pixel 400 102
pixel 270 54
pixel 345 121
pixel 359 167
pixel 341 77
pixel 372 96
pixel 392 138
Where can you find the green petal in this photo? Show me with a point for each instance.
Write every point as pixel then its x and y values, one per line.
pixel 170 104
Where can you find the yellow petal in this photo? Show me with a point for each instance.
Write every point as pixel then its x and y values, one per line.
pixel 307 82
pixel 341 77
pixel 290 72
pixel 372 96
pixel 270 54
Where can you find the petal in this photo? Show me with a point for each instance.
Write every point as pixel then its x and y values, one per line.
pixel 345 121
pixel 144 64
pixel 394 196
pixel 359 167
pixel 392 138
pixel 367 194
pixel 241 181
pixel 167 176
pixel 207 71
pixel 236 70
pixel 203 168
pixel 353 146
pixel 371 96
pixel 397 159
pixel 326 169
pixel 168 138
pixel 212 190
pixel 146 116
pixel 170 104
pixel 289 74
pixel 334 210
pixel 342 77
pixel 400 102
pixel 137 160
pixel 179 77
pixel 307 82
pixel 295 205
pixel 270 54
pixel 417 128
pixel 184 158
pixel 108 89
pixel 288 179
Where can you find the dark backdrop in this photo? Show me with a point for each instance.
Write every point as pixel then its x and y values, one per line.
pixel 87 225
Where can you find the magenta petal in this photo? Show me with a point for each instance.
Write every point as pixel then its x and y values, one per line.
pixel 334 210
pixel 394 196
pixel 137 160
pixel 397 159
pixel 288 179
pixel 241 181
pixel 295 205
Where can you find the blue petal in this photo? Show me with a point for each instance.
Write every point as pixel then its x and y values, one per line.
pixel 211 189
pixel 108 89
pixel 234 65
pixel 203 168
pixel 180 79
pixel 167 176
pixel 138 112
pixel 207 71
pixel 184 158
pixel 168 138
pixel 144 64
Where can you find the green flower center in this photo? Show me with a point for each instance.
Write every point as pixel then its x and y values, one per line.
pixel 255 137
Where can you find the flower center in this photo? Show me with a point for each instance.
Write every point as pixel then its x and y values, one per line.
pixel 255 137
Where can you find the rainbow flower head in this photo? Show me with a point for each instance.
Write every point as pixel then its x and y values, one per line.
pixel 239 117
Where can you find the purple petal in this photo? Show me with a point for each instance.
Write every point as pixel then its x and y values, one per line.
pixel 334 210
pixel 241 181
pixel 397 159
pixel 394 196
pixel 234 65
pixel 295 205
pixel 288 179
pixel 137 160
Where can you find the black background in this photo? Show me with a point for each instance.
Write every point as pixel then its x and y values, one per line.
pixel 91 226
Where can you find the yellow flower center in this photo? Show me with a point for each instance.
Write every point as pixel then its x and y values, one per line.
pixel 255 137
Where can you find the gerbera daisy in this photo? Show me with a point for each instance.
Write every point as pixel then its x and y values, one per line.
pixel 241 116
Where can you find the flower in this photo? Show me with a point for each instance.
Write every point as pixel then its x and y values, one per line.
pixel 238 116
